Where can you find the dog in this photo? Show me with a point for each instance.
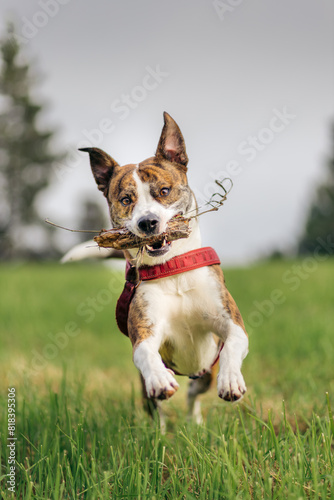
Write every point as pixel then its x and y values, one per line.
pixel 178 322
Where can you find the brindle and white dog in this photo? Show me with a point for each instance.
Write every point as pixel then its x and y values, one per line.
pixel 176 324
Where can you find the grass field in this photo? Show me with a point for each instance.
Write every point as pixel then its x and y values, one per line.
pixel 80 428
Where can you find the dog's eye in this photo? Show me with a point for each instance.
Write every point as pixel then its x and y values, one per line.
pixel 126 201
pixel 164 191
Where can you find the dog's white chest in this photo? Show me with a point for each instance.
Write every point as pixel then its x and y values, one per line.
pixel 181 308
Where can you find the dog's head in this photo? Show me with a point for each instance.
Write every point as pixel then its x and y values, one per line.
pixel 144 197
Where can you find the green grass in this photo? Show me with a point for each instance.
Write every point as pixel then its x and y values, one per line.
pixel 80 428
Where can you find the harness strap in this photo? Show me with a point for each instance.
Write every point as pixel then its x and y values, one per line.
pixel 123 305
pixel 201 257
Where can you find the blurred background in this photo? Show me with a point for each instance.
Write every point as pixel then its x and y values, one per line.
pixel 250 84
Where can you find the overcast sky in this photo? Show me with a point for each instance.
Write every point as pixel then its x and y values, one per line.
pixel 250 83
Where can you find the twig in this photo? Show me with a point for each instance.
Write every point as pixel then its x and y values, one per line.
pixel 215 203
pixel 73 230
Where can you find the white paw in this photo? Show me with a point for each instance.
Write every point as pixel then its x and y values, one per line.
pixel 231 385
pixel 161 384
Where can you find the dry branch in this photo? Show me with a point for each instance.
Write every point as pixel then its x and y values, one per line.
pixel 122 239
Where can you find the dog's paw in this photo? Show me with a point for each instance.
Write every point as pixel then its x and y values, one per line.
pixel 231 385
pixel 161 384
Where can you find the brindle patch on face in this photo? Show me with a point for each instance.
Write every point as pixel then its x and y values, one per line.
pixel 122 185
pixel 159 175
pixel 227 299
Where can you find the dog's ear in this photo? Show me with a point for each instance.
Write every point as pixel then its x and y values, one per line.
pixel 171 145
pixel 102 167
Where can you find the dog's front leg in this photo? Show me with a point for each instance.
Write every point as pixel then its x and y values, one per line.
pixel 230 383
pixel 159 380
pixel 229 326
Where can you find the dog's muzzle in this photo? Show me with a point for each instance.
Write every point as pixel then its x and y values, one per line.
pixel 149 224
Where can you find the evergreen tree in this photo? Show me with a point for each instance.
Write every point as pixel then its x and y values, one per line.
pixel 320 221
pixel 92 218
pixel 25 155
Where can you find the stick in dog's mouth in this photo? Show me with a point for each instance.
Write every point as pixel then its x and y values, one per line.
pixel 123 239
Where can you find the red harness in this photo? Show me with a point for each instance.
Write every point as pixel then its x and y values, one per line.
pixel 194 259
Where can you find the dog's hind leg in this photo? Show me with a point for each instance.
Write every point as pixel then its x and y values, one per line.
pixel 152 406
pixel 196 387
pixel 149 404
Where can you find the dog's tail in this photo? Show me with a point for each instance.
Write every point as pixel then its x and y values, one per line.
pixel 90 250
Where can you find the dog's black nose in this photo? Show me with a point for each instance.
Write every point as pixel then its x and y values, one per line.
pixel 149 224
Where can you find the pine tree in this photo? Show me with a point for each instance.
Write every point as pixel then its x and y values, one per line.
pixel 92 218
pixel 25 155
pixel 320 222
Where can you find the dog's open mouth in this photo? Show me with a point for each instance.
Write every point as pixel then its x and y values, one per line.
pixel 159 248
